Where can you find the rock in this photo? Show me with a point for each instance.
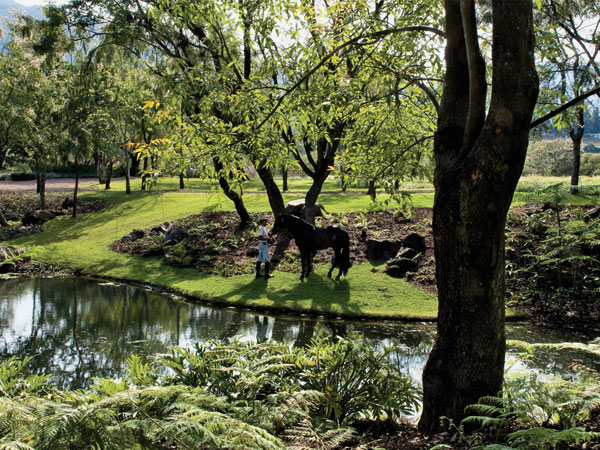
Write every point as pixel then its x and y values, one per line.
pixel 398 268
pixel 381 250
pixel 133 236
pixel 252 252
pixel 37 217
pixel 416 242
pixel 68 203
pixel 175 233
pixel 536 207
pixel 12 217
pixel 407 253
pixel 593 213
pixel 296 208
pixel 161 229
pixel 60 212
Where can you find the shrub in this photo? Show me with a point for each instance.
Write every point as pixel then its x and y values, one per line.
pixel 549 158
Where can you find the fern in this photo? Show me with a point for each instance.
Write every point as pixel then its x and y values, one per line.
pixel 304 436
pixel 539 438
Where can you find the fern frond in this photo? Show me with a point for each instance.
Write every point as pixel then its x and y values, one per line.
pixel 15 445
pixel 541 438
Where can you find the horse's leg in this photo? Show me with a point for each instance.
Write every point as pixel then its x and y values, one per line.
pixel 333 263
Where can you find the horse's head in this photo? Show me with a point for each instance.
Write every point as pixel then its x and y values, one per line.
pixel 278 225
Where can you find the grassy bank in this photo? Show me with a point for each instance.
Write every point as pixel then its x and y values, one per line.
pixel 82 244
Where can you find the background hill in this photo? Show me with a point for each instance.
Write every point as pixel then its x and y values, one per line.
pixel 8 7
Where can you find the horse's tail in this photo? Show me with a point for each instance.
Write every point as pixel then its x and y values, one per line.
pixel 345 255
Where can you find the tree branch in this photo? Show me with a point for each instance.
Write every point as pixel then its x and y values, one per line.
pixel 371 36
pixel 564 107
pixel 477 82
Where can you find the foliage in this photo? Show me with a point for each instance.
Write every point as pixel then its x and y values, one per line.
pixel 236 395
pixel 356 380
pixel 548 411
pixel 548 158
pixel 554 264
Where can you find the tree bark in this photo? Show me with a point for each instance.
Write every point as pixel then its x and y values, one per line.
pixel 232 195
pixel 42 187
pixel 478 164
pixel 127 172
pixel 273 192
pixel 576 136
pixel 145 174
pixel 75 191
pixel 3 153
pixel 109 175
pixel 284 176
pixel 181 181
pixel 372 191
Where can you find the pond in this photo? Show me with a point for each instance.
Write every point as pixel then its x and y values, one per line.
pixel 79 328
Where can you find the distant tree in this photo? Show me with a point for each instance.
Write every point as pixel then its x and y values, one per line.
pixel 571 64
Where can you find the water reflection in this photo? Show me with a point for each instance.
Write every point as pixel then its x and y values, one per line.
pixel 80 328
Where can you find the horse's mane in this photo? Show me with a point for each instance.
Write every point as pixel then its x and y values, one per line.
pixel 298 220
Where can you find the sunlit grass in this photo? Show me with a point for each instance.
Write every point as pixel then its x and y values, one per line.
pixel 82 244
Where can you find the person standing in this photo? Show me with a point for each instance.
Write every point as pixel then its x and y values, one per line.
pixel 263 249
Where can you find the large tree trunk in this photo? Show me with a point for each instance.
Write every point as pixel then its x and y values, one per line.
pixel 181 181
pixel 273 192
pixel 576 136
pixel 232 195
pixel 478 163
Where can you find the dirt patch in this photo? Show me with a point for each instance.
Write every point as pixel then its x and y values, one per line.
pixel 20 204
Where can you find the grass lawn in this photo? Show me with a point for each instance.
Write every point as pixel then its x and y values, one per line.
pixel 82 244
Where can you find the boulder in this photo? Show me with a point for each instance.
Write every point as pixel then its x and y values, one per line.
pixel 416 242
pixel 12 217
pixel 399 267
pixel 68 203
pixel 175 233
pixel 407 253
pixel 296 208
pixel 37 217
pixel 133 236
pixel 381 250
pixel 160 229
pixel 593 213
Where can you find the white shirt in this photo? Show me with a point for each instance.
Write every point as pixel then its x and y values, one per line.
pixel 262 231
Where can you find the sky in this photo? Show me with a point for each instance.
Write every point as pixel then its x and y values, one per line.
pixel 39 2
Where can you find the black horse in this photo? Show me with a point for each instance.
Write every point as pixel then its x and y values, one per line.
pixel 310 238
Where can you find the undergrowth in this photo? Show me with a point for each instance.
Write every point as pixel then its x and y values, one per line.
pixel 218 395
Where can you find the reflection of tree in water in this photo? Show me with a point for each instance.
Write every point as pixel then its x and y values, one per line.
pixel 79 328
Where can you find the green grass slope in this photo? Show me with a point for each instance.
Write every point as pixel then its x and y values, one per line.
pixel 82 244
